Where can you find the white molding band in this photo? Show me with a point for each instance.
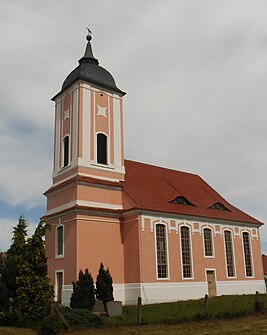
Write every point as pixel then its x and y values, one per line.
pixel 169 291
pixel 217 228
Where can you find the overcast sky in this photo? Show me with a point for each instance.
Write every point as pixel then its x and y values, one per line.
pixel 195 73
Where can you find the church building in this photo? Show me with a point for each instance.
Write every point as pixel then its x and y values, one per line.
pixel 165 235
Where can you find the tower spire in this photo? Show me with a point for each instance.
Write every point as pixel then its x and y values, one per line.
pixel 88 54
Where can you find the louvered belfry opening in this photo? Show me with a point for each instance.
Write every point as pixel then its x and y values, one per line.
pixel 102 149
pixel 66 151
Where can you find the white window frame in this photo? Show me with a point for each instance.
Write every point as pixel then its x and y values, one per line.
pixel 62 152
pixel 212 241
pixel 233 251
pixel 108 149
pixel 59 256
pixel 167 249
pixel 251 257
pixel 56 284
pixel 191 252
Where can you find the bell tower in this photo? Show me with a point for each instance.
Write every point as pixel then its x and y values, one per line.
pixel 88 138
pixel 86 196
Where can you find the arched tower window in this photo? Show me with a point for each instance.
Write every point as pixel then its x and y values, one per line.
pixel 66 151
pixel 102 149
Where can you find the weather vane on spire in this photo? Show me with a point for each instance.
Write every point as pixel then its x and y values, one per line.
pixel 89 35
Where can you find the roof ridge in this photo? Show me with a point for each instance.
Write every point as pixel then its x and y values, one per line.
pixel 162 167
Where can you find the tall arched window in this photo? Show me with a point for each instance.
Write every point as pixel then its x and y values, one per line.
pixel 161 244
pixel 229 253
pixel 66 151
pixel 102 149
pixel 186 252
pixel 247 254
pixel 208 245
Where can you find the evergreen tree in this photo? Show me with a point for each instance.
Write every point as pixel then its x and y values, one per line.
pixel 19 238
pixel 24 281
pixel 34 288
pixel 3 288
pixel 83 295
pixel 104 287
pixel 14 257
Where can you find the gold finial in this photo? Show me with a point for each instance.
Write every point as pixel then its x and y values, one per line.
pixel 89 35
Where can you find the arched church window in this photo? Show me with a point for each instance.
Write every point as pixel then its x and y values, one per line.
pixel 247 254
pixel 66 151
pixel 229 253
pixel 186 252
pixel 161 245
pixel 102 149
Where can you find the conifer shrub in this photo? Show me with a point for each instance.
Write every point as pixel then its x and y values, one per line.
pixel 104 285
pixel 83 295
pixel 51 325
pixel 81 317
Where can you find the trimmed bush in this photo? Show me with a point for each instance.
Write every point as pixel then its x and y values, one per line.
pixel 104 285
pixel 83 295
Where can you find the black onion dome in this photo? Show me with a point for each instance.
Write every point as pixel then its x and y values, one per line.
pixel 89 71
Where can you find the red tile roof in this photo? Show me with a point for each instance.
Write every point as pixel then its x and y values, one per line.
pixel 153 187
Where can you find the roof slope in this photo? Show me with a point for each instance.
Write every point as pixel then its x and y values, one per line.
pixel 153 188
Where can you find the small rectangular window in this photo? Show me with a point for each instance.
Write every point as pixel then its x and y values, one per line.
pixel 207 235
pixel 59 286
pixel 59 238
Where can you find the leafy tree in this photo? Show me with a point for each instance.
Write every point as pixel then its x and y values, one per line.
pixel 104 287
pixel 83 295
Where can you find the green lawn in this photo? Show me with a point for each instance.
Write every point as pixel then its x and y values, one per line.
pixel 177 312
pixel 252 325
pixel 227 315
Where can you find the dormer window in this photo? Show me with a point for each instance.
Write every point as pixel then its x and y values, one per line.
pixel 102 149
pixel 219 206
pixel 182 201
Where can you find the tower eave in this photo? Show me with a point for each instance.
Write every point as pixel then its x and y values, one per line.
pixel 96 85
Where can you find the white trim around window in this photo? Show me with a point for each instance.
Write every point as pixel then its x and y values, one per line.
pixel 57 272
pixel 59 241
pixel 251 254
pixel 161 223
pixel 191 252
pixel 233 253
pixel 63 166
pixel 212 241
